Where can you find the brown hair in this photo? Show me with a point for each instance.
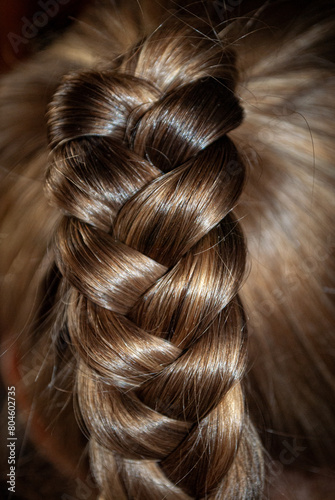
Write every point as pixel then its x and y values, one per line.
pixel 130 285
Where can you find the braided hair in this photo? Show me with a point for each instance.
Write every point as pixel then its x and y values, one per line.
pixel 166 240
pixel 152 258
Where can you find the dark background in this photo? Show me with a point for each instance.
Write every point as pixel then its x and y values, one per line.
pixel 15 17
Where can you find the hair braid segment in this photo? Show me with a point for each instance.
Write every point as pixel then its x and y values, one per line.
pixel 154 262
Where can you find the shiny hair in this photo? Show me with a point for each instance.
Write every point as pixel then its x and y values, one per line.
pixel 126 292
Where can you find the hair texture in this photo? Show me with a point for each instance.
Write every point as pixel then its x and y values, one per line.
pixel 135 159
pixel 153 314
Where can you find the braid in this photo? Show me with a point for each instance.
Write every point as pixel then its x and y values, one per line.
pixel 152 258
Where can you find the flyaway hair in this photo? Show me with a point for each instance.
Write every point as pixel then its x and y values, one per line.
pixel 167 234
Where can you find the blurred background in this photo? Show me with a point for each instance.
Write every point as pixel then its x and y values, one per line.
pixel 28 25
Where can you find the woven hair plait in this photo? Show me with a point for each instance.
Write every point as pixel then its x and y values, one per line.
pixel 153 259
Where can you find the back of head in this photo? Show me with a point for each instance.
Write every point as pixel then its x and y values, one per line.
pixel 134 185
